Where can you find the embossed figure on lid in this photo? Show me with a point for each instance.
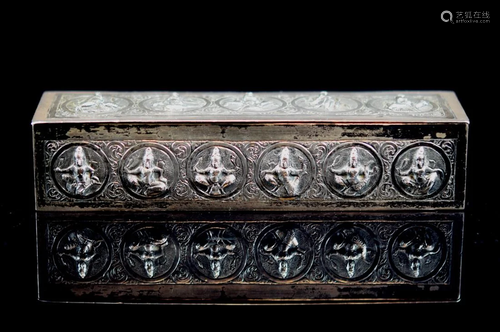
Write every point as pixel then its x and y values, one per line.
pixel 253 106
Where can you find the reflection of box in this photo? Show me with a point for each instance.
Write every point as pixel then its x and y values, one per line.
pixel 252 257
pixel 253 151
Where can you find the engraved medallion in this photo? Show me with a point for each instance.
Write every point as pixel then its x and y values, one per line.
pixel 285 170
pixel 352 170
pixel 403 104
pixel 96 104
pixel 82 253
pixel 284 252
pixel 421 170
pixel 79 170
pixel 217 253
pixel 417 252
pixel 174 103
pixel 350 252
pixel 150 253
pixel 327 102
pixel 251 103
pixel 148 171
pixel 217 170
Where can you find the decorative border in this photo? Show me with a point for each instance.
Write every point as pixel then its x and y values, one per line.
pixel 242 173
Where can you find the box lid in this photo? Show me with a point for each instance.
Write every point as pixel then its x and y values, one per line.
pixel 250 107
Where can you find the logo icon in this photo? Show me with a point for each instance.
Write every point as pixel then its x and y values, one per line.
pixel 447 16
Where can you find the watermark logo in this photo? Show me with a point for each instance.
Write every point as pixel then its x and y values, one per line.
pixel 447 16
pixel 465 17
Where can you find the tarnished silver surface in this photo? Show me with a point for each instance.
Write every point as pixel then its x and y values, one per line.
pixel 263 105
pixel 242 175
pixel 249 151
pixel 243 258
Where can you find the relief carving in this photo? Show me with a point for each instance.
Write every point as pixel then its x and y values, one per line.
pixel 352 171
pixel 325 104
pixel 148 171
pixel 251 103
pixel 285 170
pixel 115 172
pixel 420 171
pixel 217 170
pixel 80 171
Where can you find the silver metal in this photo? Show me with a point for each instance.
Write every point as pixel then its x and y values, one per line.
pixel 249 106
pixel 249 151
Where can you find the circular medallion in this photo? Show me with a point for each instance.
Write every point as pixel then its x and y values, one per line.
pixel 150 252
pixel 217 170
pixel 217 253
pixel 350 252
pixel 82 253
pixel 421 170
pixel 401 104
pixel 251 103
pixel 352 170
pixel 284 252
pixel 79 170
pixel 327 103
pixel 174 103
pixel 285 170
pixel 96 104
pixel 417 252
pixel 148 170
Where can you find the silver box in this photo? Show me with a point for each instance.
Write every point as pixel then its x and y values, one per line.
pixel 233 151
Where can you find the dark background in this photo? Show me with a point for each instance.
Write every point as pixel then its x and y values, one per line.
pixel 251 47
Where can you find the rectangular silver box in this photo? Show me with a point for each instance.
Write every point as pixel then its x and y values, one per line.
pixel 235 151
